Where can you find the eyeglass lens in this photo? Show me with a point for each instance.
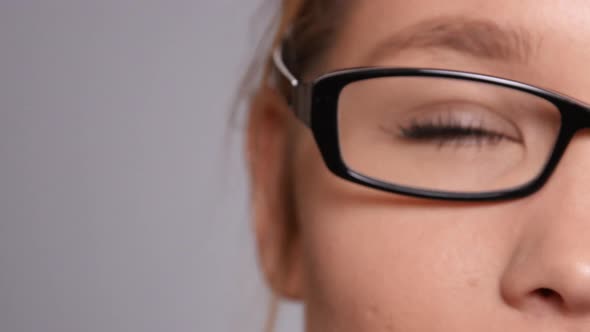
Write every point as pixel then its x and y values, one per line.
pixel 445 134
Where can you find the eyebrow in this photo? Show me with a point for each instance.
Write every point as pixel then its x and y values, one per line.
pixel 477 38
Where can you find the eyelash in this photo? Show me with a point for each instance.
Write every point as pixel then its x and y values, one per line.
pixel 451 131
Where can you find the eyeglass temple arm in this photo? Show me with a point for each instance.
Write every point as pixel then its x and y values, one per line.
pixel 301 102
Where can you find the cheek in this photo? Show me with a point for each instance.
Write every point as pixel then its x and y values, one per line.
pixel 377 261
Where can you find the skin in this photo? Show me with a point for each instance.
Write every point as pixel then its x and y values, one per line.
pixel 363 260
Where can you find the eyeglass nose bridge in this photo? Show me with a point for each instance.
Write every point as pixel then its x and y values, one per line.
pixel 581 117
pixel 575 116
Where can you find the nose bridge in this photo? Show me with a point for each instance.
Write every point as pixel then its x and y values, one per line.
pixel 553 255
pixel 569 184
pixel 563 205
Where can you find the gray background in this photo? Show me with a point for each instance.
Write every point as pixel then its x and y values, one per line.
pixel 122 206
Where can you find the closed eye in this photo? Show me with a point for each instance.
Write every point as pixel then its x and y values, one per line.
pixel 452 133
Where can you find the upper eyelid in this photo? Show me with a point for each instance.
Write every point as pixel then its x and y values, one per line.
pixel 451 117
pixel 478 133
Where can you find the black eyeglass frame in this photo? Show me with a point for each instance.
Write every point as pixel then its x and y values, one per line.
pixel 315 103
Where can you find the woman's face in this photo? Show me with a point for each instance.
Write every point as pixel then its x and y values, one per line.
pixel 364 260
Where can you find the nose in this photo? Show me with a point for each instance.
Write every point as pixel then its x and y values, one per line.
pixel 549 270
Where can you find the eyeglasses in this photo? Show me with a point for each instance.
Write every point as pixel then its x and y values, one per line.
pixel 434 133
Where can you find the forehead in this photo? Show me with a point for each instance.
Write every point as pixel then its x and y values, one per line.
pixel 552 36
pixel 383 15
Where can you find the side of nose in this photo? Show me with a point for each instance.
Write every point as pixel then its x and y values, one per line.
pixel 549 270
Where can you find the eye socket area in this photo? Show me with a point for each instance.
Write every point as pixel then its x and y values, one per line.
pixel 445 134
pixel 463 122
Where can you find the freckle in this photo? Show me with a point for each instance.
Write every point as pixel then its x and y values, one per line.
pixel 372 313
pixel 389 327
pixel 473 282
pixel 382 322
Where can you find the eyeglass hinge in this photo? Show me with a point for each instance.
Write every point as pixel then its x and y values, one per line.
pixel 302 103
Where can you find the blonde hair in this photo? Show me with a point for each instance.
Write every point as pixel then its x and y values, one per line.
pixel 306 27
pixel 309 26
